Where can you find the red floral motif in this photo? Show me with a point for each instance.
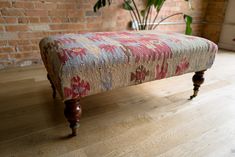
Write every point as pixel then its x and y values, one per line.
pixel 64 41
pixel 63 57
pixel 78 88
pixel 78 52
pixel 71 53
pixel 140 74
pixel 162 51
pixel 95 37
pixel 125 33
pixel 182 67
pixel 139 52
pixel 107 33
pixel 190 37
pixel 158 51
pixel 161 71
pixel 175 40
pixel 147 39
pixel 68 92
pixel 108 48
pixel 126 40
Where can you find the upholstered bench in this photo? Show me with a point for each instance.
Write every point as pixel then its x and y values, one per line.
pixel 83 64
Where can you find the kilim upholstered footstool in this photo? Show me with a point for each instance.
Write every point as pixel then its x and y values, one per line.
pixel 83 64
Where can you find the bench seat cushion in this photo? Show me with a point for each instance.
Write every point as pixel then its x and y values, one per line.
pixel 88 63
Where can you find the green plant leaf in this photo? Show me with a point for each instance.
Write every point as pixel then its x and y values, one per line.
pixel 159 4
pixel 101 3
pixel 143 12
pixel 127 5
pixel 150 3
pixel 188 20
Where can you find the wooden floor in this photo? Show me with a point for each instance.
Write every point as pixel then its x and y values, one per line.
pixel 149 120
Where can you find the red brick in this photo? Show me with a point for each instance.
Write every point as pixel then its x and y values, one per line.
pixel 75 13
pixel 24 55
pixel 1 28
pixel 16 28
pixel 36 41
pixel 45 6
pixel 86 6
pixel 58 13
pixel 3 43
pixel 66 6
pixel 18 42
pixel 23 20
pixel 93 26
pixel 67 26
pixel 12 12
pixel 36 13
pixel 32 35
pixel 24 48
pixel 60 20
pixel 6 49
pixel 28 5
pixel 5 4
pixel 76 19
pixel 4 55
pixel 2 20
pixel 34 20
pixel 44 20
pixel 10 20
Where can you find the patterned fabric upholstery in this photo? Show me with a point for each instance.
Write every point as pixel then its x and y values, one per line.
pixel 89 63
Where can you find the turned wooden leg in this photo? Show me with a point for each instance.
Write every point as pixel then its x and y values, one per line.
pixel 52 86
pixel 73 112
pixel 198 79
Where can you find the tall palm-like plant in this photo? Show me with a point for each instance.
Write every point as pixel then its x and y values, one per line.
pixel 143 18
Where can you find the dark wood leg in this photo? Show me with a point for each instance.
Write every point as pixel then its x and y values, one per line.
pixel 73 112
pixel 198 79
pixel 52 86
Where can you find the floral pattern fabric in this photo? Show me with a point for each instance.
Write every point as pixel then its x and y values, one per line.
pixel 89 63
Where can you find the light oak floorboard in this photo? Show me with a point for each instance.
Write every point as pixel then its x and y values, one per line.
pixel 148 120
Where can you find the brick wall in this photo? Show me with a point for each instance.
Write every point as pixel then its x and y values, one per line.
pixel 24 22
pixel 214 19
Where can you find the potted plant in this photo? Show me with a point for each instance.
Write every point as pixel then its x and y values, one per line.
pixel 143 19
